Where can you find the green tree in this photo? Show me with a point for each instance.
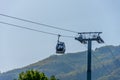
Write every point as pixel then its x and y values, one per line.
pixel 34 75
pixel 53 78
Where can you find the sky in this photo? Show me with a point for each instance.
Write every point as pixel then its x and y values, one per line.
pixel 21 47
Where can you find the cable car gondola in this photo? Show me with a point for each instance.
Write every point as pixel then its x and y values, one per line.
pixel 60 47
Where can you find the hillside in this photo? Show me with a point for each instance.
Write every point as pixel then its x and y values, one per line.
pixel 72 66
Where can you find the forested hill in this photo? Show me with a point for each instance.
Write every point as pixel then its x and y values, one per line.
pixel 72 66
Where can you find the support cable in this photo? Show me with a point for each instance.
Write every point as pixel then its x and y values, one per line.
pixel 34 29
pixel 45 25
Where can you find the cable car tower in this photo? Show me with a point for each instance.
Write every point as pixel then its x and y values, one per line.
pixel 87 38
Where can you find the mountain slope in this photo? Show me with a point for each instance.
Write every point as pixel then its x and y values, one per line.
pixel 72 66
